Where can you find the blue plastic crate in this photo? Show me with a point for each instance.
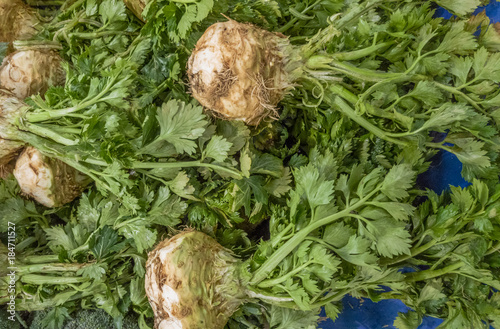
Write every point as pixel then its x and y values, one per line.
pixel 444 171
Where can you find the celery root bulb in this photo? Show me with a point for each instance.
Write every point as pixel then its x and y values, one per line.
pixel 239 71
pixel 50 182
pixel 10 109
pixel 29 72
pixel 18 21
pixel 192 282
pixel 8 152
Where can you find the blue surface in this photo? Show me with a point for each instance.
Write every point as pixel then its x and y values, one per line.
pixel 364 314
pixel 492 10
pixel 444 171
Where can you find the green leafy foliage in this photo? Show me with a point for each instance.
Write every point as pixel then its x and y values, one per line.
pixel 180 124
pixel 441 80
pixel 301 263
pixel 460 7
pixel 55 318
pixel 408 320
pixel 13 208
pixel 282 318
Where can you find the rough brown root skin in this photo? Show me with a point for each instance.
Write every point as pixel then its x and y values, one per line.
pixel 192 282
pixel 11 109
pixel 32 71
pixel 136 6
pixel 18 21
pixel 50 182
pixel 7 169
pixel 9 150
pixel 239 71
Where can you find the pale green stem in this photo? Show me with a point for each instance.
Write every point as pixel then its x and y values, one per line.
pixel 351 114
pixel 493 249
pixel 277 257
pixel 252 294
pixel 464 96
pixel 47 133
pixel 158 165
pixel 273 282
pixel 48 268
pixel 41 259
pixel 53 280
pixel 430 274
pixel 295 19
pixel 360 53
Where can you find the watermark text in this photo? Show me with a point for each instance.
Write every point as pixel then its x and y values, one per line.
pixel 11 259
